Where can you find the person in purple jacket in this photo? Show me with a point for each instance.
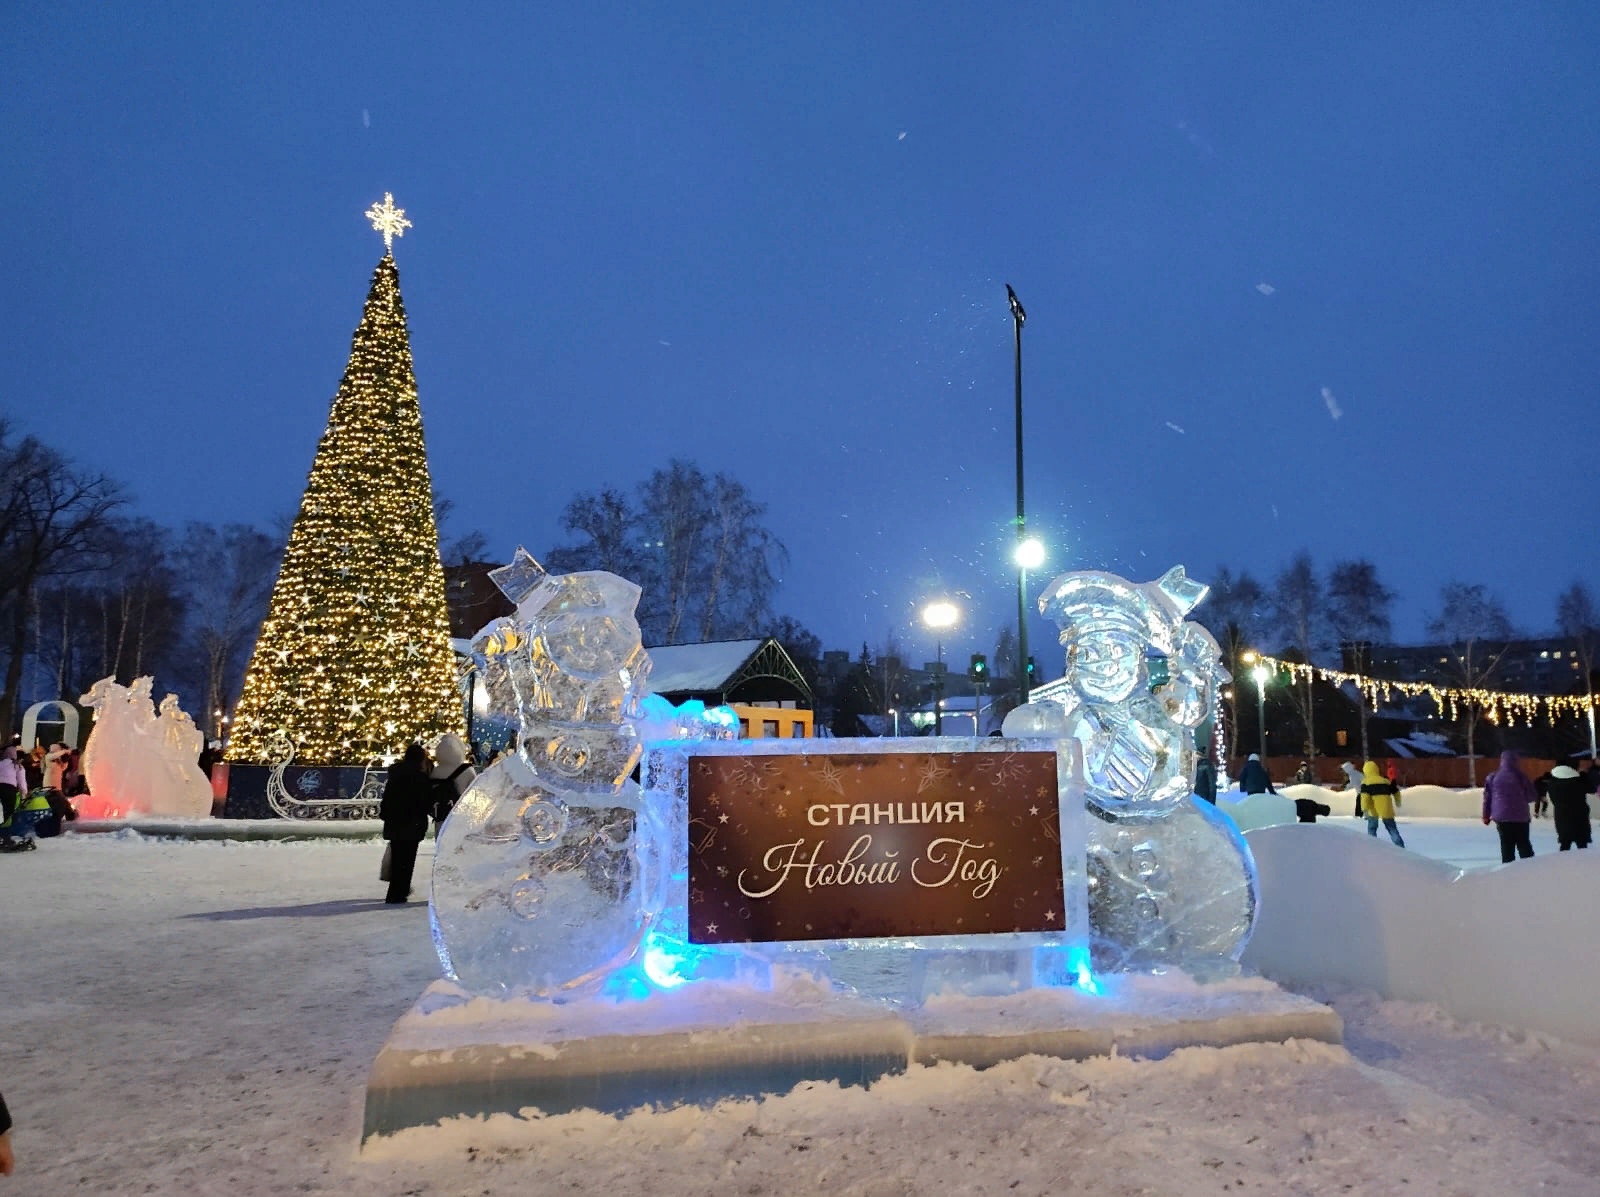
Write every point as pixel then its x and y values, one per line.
pixel 1508 796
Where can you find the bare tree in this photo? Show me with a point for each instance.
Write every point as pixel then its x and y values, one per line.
pixel 122 619
pixel 1236 613
pixel 1474 628
pixel 696 545
pixel 1358 606
pixel 455 548
pixel 1579 620
pixel 227 575
pixel 742 556
pixel 609 537
pixel 1299 616
pixel 1002 668
pixel 53 518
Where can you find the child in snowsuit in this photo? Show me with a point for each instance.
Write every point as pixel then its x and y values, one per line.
pixel 1379 797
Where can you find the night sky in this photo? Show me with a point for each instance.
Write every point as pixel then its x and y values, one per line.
pixel 1322 279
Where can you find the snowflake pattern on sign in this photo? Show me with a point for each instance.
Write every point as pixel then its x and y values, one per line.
pixel 933 772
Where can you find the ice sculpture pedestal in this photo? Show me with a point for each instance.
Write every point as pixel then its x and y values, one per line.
pixel 452 1055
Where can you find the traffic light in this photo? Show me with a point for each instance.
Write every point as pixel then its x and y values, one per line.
pixel 1033 671
pixel 978 670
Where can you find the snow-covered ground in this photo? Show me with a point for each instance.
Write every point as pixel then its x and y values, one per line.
pixel 198 1018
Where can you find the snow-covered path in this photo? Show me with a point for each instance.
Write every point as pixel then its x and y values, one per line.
pixel 198 1018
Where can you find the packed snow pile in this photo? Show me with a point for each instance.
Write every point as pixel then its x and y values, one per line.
pixel 1512 944
pixel 1419 802
pixel 1250 811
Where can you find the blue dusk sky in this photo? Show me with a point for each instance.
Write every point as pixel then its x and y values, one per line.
pixel 1296 276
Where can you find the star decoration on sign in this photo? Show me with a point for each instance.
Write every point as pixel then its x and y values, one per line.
pixel 388 220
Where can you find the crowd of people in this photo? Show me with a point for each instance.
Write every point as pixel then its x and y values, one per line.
pixel 36 792
pixel 1511 799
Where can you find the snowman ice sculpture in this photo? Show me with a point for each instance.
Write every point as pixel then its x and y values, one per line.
pixel 1171 880
pixel 548 870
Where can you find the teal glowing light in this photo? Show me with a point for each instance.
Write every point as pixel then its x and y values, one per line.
pixel 667 962
pixel 1078 963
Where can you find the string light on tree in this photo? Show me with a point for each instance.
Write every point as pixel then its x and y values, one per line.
pixel 361 572
pixel 1498 706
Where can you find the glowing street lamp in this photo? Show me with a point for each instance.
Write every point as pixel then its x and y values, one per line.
pixel 1029 554
pixel 1018 319
pixel 1261 673
pixel 939 615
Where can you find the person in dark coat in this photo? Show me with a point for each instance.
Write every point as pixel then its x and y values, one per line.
pixel 1569 803
pixel 1253 778
pixel 1307 811
pixel 407 799
pixel 1205 780
pixel 7 1161
pixel 1508 798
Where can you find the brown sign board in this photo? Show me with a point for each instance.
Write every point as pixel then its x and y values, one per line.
pixel 822 846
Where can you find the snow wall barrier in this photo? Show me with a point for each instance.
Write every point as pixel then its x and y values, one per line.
pixel 1417 802
pixel 1515 944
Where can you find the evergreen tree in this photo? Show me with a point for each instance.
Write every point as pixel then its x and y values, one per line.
pixel 354 659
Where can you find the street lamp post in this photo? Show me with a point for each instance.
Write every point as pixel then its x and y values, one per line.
pixel 939 615
pixel 1018 319
pixel 1261 673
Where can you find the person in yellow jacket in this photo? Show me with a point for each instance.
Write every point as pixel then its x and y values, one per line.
pixel 1379 797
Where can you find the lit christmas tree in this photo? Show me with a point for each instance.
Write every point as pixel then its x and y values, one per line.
pixel 354 659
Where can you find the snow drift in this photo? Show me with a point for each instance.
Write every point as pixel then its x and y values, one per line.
pixel 1513 944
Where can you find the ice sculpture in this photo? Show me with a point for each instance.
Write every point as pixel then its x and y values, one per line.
pixel 138 762
pixel 1170 879
pixel 548 870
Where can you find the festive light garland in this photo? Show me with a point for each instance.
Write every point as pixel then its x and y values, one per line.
pixel 354 661
pixel 1499 706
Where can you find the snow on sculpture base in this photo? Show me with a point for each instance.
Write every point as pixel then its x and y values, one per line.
pixel 456 1056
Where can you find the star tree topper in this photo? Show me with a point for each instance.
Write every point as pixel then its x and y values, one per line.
pixel 388 220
